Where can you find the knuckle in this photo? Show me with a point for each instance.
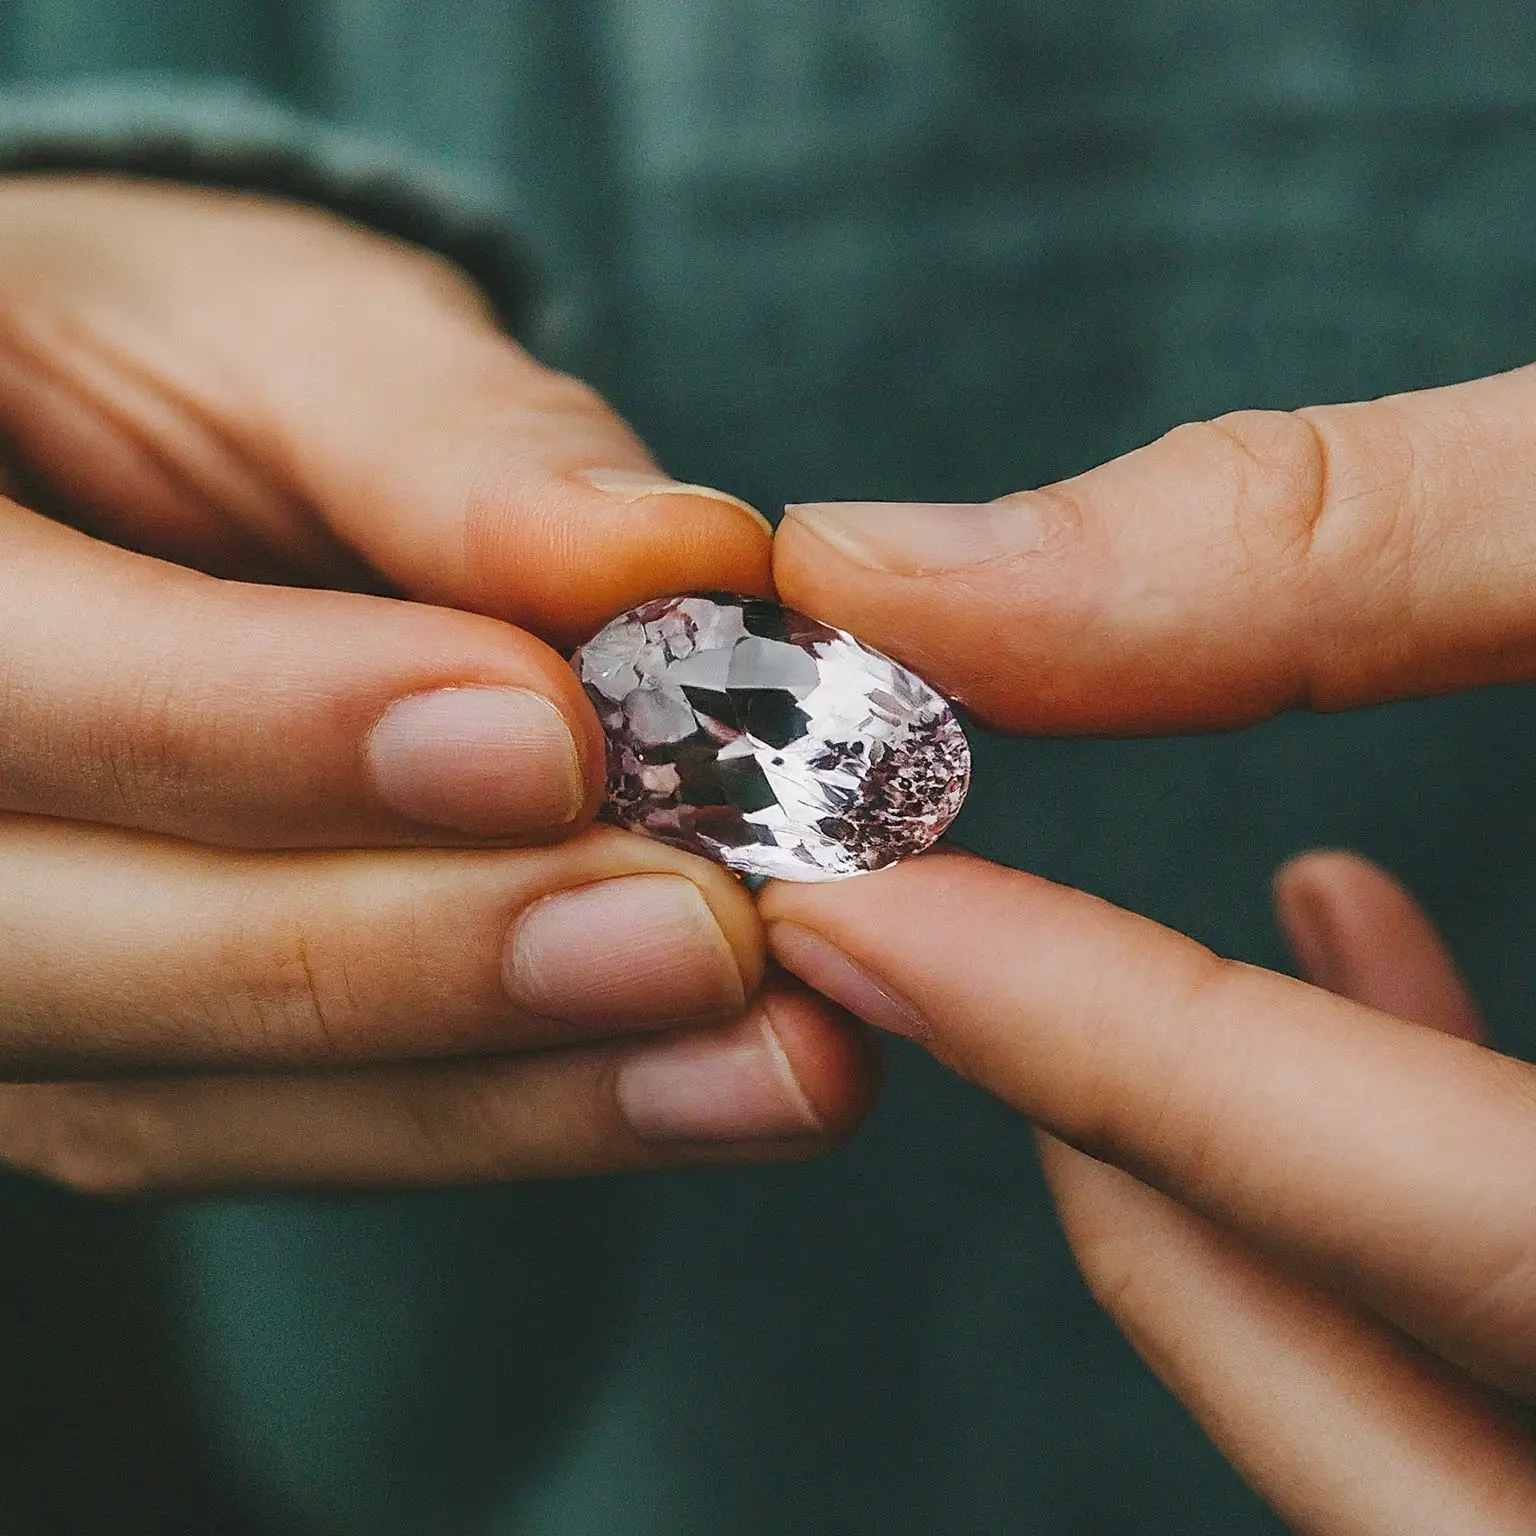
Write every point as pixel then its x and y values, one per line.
pixel 139 752
pixel 1260 479
pixel 1324 523
pixel 507 1120
pixel 1271 467
pixel 1362 544
pixel 294 998
pixel 454 1125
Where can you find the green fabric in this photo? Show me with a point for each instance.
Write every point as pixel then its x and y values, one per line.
pixel 887 248
pixel 226 134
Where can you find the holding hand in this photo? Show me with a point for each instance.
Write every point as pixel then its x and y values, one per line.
pixel 1311 1210
pixel 329 844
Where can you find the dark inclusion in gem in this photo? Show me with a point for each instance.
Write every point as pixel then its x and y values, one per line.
pixel 771 743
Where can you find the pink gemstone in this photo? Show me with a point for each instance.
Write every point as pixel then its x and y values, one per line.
pixel 771 743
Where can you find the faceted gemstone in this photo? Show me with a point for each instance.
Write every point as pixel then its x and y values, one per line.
pixel 771 743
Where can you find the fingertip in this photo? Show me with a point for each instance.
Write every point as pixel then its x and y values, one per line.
pixel 835 1061
pixel 464 725
pixel 605 853
pixel 1358 932
pixel 852 941
pixel 733 909
pixel 1328 902
pixel 814 573
pixel 1331 868
pixel 1305 892
pixel 940 875
pixel 683 538
pixel 632 485
pixel 563 559
pixel 788 1078
pixel 982 641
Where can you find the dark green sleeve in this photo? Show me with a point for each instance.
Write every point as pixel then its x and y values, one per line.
pixel 225 134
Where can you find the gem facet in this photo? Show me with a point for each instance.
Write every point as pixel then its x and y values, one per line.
pixel 769 742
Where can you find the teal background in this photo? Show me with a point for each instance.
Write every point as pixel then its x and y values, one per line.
pixel 875 248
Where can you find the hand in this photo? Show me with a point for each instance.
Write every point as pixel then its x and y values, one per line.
pixel 1321 1240
pixel 1311 1213
pixel 321 854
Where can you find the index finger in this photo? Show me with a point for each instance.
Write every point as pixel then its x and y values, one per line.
pixel 135 693
pixel 1392 1162
pixel 1328 557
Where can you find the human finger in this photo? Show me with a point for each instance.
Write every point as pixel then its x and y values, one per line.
pixel 1327 557
pixel 787 1079
pixel 1358 933
pixel 1394 1164
pixel 137 693
pixel 224 379
pixel 1334 1417
pixel 126 951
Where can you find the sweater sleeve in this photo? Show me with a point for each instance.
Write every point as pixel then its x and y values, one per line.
pixel 225 134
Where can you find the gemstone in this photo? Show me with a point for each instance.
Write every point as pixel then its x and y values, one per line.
pixel 769 742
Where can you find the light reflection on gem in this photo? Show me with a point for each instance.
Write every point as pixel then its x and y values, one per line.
pixel 769 742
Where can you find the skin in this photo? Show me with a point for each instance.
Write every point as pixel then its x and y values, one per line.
pixel 268 476
pixel 1309 1206
pixel 255 455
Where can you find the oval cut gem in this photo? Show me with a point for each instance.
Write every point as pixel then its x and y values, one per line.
pixel 769 742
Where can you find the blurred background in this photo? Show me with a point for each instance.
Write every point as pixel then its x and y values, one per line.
pixel 824 248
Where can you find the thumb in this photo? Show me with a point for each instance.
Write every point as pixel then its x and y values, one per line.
pixel 473 477
pixel 267 390
pixel 1328 557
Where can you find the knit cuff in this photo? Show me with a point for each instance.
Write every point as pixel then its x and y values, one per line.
pixel 225 134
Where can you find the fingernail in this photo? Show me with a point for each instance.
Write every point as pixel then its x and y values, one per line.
pixel 829 971
pixel 921 538
pixel 637 485
pixel 717 1085
pixel 1307 920
pixel 629 952
pixel 495 762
